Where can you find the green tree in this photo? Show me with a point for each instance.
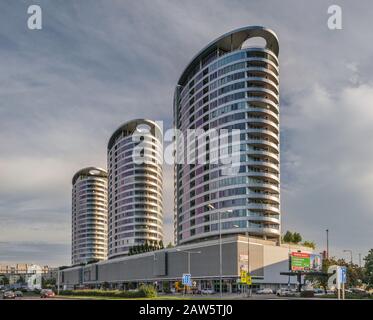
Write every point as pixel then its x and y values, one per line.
pixel 161 246
pixel 355 274
pixel 297 238
pixel 323 280
pixel 146 247
pixel 21 279
pixel 4 280
pixel 309 244
pixel 170 245
pixel 288 237
pixel 368 274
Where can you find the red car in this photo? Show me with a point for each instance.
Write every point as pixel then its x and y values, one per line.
pixel 47 293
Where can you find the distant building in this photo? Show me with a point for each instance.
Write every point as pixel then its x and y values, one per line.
pixel 89 215
pixel 25 275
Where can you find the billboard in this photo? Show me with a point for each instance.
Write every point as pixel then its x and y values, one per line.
pixel 302 261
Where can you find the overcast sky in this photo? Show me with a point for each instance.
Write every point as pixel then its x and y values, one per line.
pixel 96 64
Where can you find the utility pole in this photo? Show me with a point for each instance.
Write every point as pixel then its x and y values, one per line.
pixel 360 260
pixel 58 281
pixel 248 257
pixel 327 243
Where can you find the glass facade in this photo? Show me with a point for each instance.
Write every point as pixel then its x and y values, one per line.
pixel 89 215
pixel 135 189
pixel 230 87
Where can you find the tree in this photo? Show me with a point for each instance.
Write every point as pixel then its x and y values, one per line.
pixel 355 274
pixel 310 244
pixel 297 237
pixel 21 280
pixel 161 246
pixel 146 247
pixel 170 245
pixel 288 237
pixel 4 280
pixel 323 280
pixel 369 269
pixel 48 283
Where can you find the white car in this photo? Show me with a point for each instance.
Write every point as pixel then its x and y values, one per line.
pixel 265 291
pixel 284 292
pixel 207 291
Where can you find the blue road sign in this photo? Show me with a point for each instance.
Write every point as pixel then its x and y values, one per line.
pixel 186 279
pixel 343 275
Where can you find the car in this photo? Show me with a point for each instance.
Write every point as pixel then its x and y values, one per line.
pixel 265 291
pixel 9 295
pixel 47 293
pixel 318 292
pixel 18 293
pixel 207 291
pixel 285 292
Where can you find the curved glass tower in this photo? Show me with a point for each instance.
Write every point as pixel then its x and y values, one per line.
pixel 231 85
pixel 89 215
pixel 135 188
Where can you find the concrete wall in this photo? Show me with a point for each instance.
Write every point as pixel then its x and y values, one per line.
pixel 266 262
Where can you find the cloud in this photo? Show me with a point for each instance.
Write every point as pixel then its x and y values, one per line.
pixel 66 88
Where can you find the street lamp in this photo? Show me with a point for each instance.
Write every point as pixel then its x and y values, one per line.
pixel 350 251
pixel 210 206
pixel 189 253
pixel 248 254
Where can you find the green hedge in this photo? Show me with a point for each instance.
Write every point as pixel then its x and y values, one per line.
pixel 145 291
pixel 307 294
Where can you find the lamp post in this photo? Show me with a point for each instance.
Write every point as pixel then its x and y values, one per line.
pixel 189 253
pixel 248 255
pixel 327 243
pixel 350 251
pixel 220 250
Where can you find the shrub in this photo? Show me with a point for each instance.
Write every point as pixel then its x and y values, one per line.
pixel 307 294
pixel 145 291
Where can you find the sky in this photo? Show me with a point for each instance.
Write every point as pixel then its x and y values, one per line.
pixel 97 64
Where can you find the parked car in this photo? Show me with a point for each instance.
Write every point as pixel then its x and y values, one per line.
pixel 18 293
pixel 265 291
pixel 285 292
pixel 207 291
pixel 318 292
pixel 47 293
pixel 9 295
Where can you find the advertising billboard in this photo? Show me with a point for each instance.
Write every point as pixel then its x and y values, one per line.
pixel 302 261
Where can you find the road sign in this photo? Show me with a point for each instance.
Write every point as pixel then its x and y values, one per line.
pixel 187 279
pixel 243 276
pixel 343 274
